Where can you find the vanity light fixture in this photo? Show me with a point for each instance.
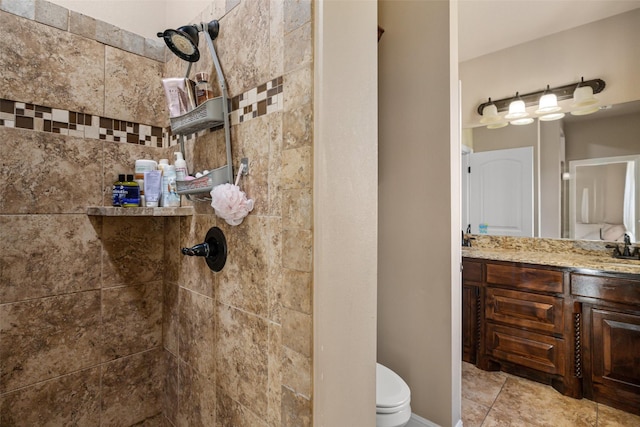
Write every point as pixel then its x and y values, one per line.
pixel 582 92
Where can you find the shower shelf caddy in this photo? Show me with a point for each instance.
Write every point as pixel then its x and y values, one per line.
pixel 210 114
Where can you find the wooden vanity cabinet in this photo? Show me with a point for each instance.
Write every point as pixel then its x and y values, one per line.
pixel 471 282
pixel 527 326
pixel 610 307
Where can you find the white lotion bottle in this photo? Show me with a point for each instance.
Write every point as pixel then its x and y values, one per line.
pixel 181 167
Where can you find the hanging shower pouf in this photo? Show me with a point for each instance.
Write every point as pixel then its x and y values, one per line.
pixel 229 203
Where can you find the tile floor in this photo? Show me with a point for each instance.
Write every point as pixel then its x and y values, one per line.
pixel 492 399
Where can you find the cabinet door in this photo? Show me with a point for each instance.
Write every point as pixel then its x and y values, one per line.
pixel 615 358
pixel 470 302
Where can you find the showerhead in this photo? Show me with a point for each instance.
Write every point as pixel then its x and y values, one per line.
pixel 184 41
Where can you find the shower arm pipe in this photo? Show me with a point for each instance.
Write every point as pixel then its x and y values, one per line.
pixel 225 102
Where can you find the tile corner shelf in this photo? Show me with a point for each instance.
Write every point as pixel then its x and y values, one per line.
pixel 145 212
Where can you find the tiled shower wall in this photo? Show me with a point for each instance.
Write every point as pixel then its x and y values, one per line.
pixel 101 320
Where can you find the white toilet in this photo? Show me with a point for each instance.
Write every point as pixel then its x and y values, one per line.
pixel 393 399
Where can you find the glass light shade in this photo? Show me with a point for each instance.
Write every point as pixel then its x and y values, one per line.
pixel 497 125
pixel 522 121
pixel 548 104
pixel 552 116
pixel 583 97
pixel 585 111
pixel 490 114
pixel 516 110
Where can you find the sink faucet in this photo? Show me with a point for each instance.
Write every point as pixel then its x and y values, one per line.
pixel 626 249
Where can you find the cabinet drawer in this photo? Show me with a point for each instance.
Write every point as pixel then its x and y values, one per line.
pixel 471 271
pixel 543 313
pixel 535 351
pixel 624 291
pixel 524 278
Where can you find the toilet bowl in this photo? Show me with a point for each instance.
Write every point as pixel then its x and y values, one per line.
pixel 393 399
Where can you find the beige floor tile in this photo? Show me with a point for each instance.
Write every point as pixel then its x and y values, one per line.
pixel 473 414
pixel 610 417
pixel 526 403
pixel 480 386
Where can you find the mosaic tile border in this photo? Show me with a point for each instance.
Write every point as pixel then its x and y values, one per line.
pixel 23 115
pixel 257 102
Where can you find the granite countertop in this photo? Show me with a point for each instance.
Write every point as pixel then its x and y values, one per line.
pixel 557 253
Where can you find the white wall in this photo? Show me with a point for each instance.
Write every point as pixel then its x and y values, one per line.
pixel 606 49
pixel 419 179
pixel 345 212
pixel 143 17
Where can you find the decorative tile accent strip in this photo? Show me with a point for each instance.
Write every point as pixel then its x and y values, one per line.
pixel 265 99
pixel 256 102
pixel 46 119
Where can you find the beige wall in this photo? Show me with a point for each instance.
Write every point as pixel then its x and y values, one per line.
pixel 345 213
pixel 604 49
pixel 418 291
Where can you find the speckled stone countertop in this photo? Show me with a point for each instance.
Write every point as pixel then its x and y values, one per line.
pixel 590 255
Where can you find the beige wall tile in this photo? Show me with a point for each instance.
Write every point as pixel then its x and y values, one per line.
pixel 243 46
pixel 132 250
pixel 297 291
pixel 72 399
pixel 132 388
pixel 276 37
pixel 296 372
pixel 170 317
pixel 232 414
pixel 296 14
pixel 298 87
pixel 296 168
pixel 298 126
pixel 253 142
pixel 68 81
pixel 297 333
pixel 197 398
pixel 296 409
pixel 197 331
pixel 297 249
pixel 171 388
pixel 131 319
pixel 297 208
pixel 252 265
pixel 275 164
pixel 195 274
pixel 274 393
pixel 298 47
pixel 60 174
pixel 48 337
pixel 32 254
pixel 134 88
pixel 242 358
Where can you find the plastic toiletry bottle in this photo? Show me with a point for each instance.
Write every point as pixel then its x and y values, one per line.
pixel 118 191
pixel 162 163
pixel 203 89
pixel 132 193
pixel 181 167
pixel 170 196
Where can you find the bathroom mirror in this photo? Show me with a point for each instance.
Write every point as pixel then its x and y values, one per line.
pixel 585 173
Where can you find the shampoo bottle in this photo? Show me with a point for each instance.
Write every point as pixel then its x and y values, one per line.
pixel 170 196
pixel 181 167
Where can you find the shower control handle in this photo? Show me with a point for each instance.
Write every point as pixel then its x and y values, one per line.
pixel 201 249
